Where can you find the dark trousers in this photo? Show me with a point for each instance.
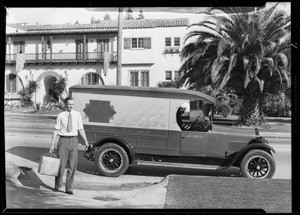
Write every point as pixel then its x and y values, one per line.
pixel 67 151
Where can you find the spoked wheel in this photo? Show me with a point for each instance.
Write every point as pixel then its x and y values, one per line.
pixel 258 164
pixel 111 160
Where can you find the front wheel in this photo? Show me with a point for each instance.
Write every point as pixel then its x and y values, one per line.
pixel 258 164
pixel 111 160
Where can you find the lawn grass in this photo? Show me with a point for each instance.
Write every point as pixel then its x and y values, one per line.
pixel 271 195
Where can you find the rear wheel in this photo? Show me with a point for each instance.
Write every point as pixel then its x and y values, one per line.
pixel 111 160
pixel 258 164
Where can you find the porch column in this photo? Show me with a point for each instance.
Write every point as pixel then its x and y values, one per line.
pixel 9 49
pixel 84 47
pixel 36 51
pixel 51 39
pixel 43 48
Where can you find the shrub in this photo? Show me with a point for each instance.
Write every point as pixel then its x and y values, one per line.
pixel 167 84
pixel 32 87
pixel 277 105
pixel 225 109
pixel 59 86
pixel 26 100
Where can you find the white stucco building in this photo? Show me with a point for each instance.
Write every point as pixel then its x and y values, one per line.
pixel 150 54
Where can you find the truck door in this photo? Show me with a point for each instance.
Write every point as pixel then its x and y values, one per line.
pixel 193 142
pixel 206 144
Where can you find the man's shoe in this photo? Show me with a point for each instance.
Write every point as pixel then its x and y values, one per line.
pixel 69 192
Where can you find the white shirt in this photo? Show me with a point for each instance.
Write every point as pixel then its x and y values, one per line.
pixel 62 122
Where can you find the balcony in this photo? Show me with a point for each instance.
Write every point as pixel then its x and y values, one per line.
pixel 68 57
pixel 171 50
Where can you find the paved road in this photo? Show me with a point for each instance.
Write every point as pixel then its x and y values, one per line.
pixel 39 141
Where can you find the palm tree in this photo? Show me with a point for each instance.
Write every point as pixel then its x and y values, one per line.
pixel 241 51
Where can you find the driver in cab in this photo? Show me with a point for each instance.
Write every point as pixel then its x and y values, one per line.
pixel 198 124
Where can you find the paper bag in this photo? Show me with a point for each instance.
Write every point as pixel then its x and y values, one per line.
pixel 49 164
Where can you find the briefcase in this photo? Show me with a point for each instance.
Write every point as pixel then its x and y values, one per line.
pixel 49 164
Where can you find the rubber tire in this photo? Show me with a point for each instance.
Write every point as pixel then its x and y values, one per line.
pixel 124 160
pixel 261 153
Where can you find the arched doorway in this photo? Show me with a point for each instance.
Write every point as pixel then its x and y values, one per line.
pixel 45 81
pixel 48 84
pixel 91 79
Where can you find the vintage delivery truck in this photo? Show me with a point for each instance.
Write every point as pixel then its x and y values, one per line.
pixel 164 127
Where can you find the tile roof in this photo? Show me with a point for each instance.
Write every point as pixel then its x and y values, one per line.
pixel 103 26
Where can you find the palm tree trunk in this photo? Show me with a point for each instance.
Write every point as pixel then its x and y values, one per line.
pixel 251 110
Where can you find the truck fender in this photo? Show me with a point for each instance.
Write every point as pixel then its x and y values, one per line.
pixel 237 157
pixel 118 141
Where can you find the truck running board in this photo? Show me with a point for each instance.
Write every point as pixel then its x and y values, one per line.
pixel 178 165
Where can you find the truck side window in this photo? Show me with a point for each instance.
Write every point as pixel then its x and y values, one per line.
pixel 179 114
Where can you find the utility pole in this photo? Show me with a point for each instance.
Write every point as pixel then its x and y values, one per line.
pixel 119 46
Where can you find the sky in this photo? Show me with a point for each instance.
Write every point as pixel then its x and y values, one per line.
pixel 32 16
pixel 44 16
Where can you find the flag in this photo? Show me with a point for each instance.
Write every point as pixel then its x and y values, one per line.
pixel 106 62
pixel 20 62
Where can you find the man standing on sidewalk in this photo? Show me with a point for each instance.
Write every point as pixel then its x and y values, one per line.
pixel 68 125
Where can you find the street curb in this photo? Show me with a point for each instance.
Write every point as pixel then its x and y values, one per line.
pixel 276 134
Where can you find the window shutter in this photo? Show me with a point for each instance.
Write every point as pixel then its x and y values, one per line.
pixel 127 43
pixel 22 46
pixel 16 48
pixel 147 43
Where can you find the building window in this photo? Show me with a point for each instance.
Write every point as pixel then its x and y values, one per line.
pixel 139 78
pixel 176 75
pixel 134 78
pixel 140 42
pixel 137 43
pixel 81 48
pixel 169 75
pixel 168 42
pixel 19 47
pixel 176 41
pixel 145 78
pixel 13 84
pixel 91 79
pixel 103 45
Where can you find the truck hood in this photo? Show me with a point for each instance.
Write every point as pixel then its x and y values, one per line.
pixel 240 133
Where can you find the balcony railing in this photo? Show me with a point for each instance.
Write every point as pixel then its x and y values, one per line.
pixel 68 57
